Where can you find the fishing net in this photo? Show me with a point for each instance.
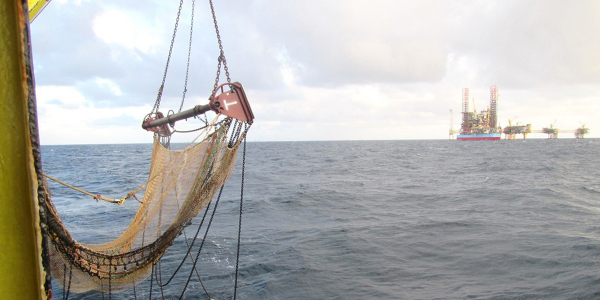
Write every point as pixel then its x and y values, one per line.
pixel 181 183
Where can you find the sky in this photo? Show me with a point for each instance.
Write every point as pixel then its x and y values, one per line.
pixel 317 70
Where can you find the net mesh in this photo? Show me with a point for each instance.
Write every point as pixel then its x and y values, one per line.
pixel 180 185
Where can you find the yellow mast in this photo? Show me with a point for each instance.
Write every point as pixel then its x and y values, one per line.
pixel 21 272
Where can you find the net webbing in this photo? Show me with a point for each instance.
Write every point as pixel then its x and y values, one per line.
pixel 181 183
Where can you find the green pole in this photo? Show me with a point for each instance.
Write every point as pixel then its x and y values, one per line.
pixel 21 273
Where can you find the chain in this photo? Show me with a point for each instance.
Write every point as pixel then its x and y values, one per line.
pixel 187 70
pixel 162 85
pixel 195 261
pixel 235 133
pixel 237 259
pixel 218 75
pixel 221 52
pixel 200 128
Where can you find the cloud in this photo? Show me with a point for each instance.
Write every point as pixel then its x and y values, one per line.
pixel 128 30
pixel 335 43
pixel 66 115
pixel 381 69
pixel 534 43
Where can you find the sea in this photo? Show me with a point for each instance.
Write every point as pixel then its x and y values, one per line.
pixel 394 219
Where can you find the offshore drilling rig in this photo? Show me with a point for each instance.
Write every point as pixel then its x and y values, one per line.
pixel 482 125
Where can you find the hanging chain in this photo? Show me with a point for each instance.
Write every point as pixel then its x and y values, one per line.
pixel 221 52
pixel 218 75
pixel 187 70
pixel 162 85
pixel 196 259
pixel 237 258
pixel 222 61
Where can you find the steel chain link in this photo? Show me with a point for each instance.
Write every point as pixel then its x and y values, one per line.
pixel 162 85
pixel 221 52
pixel 187 70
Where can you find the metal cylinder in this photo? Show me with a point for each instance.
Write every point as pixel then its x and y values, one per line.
pixel 171 119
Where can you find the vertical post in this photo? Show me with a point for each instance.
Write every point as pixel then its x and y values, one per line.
pixel 21 271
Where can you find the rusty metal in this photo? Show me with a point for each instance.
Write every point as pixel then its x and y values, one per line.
pixel 232 103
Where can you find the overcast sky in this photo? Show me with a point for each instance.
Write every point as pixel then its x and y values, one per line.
pixel 318 70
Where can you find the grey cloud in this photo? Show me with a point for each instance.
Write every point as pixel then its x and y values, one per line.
pixel 541 53
pixel 347 42
pixel 333 43
pixel 68 53
pixel 511 43
pixel 534 43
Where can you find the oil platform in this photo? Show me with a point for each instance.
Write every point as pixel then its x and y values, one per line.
pixel 552 131
pixel 511 131
pixel 482 125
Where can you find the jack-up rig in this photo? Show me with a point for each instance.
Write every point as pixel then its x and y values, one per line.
pixel 482 125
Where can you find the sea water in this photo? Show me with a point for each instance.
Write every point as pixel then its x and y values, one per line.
pixel 428 219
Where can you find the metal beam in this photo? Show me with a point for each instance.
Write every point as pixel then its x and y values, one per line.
pixel 21 271
pixel 171 119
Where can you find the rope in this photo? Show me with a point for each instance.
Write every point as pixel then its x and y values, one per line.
pixel 99 197
pixel 132 194
pixel 66 286
pixel 70 279
pixel 64 280
pixel 120 201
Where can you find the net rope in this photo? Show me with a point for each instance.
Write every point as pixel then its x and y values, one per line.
pixel 181 183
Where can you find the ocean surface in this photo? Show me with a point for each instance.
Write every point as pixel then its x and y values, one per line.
pixel 430 219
